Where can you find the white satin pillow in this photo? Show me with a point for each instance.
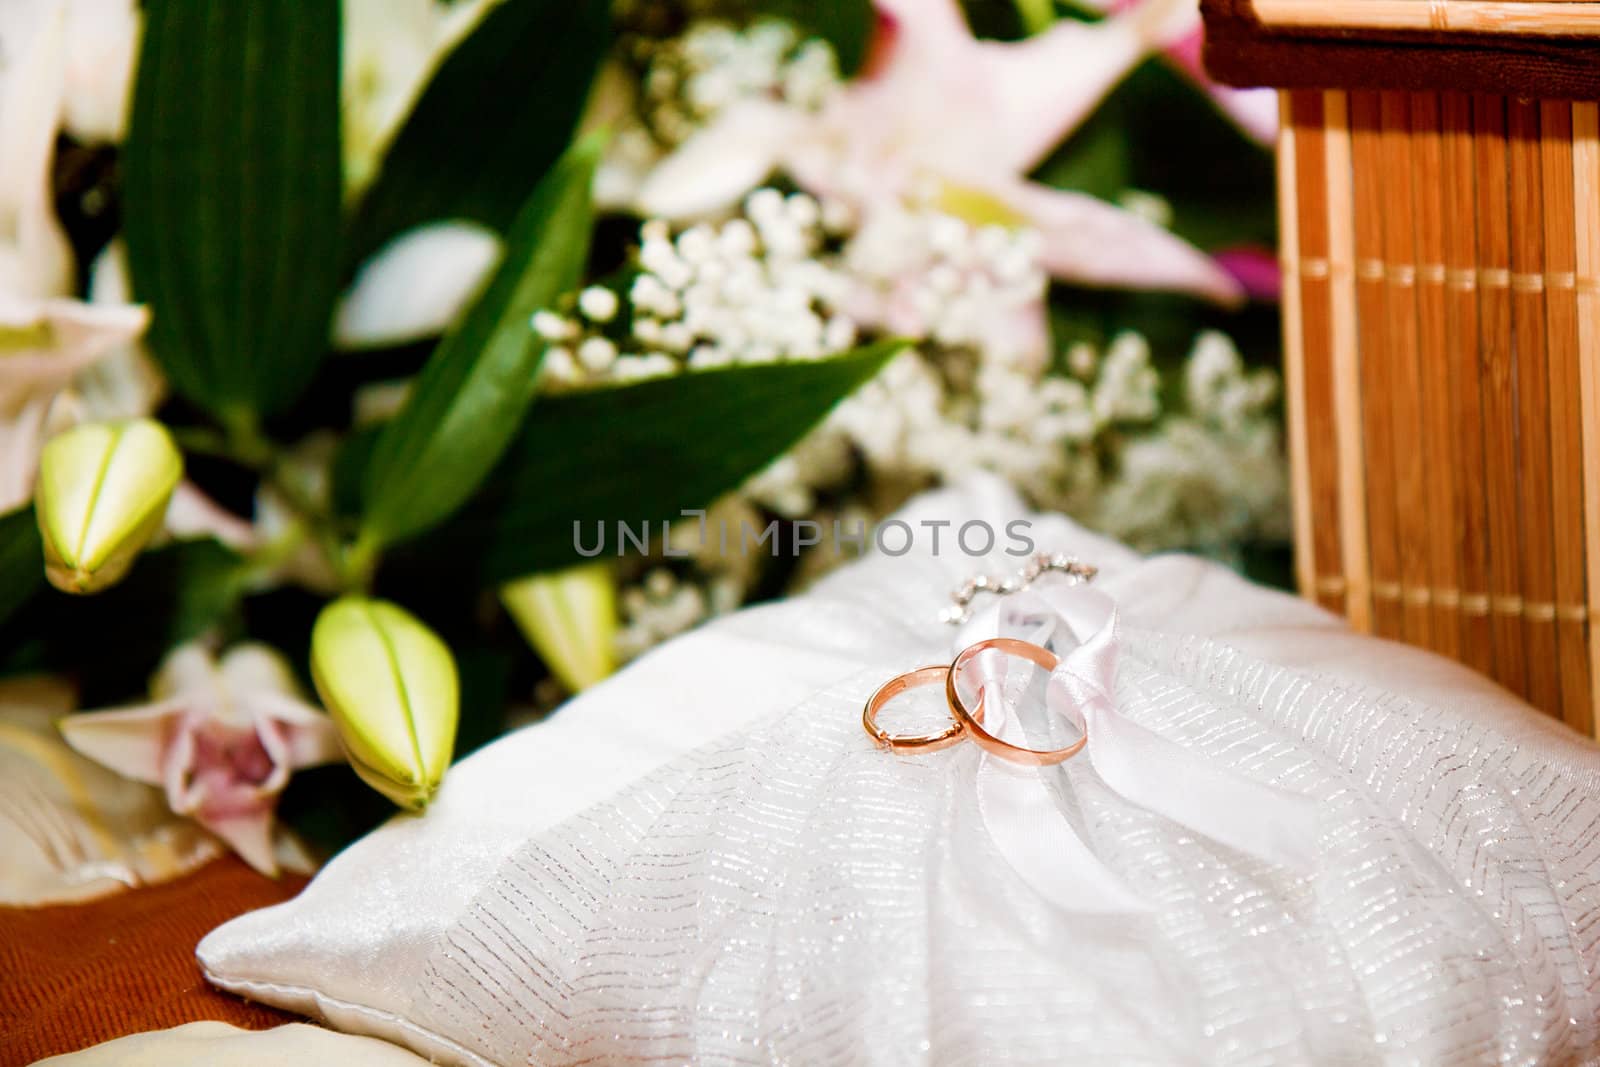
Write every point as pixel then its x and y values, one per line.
pixel 352 948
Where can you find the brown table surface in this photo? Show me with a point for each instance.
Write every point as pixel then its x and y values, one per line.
pixel 75 975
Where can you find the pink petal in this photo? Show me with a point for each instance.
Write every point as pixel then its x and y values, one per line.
pixel 190 673
pixel 711 171
pixel 186 791
pixel 1255 111
pixel 1254 268
pixel 252 667
pixel 126 383
pixel 913 40
pixel 1041 89
pixel 1090 241
pixel 249 835
pixel 68 335
pixel 956 105
pixel 192 515
pixel 21 437
pixel 309 737
pixel 294 732
pixel 921 24
pixel 271 736
pixel 131 741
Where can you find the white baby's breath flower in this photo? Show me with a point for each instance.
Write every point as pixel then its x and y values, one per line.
pixel 927 274
pixel 755 289
pixel 1128 386
pixel 1149 206
pixel 658 608
pixel 1217 387
pixel 597 354
pixel 1081 359
pixel 598 303
pixel 559 367
pixel 552 327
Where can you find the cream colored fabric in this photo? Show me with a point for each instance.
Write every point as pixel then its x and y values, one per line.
pixel 362 943
pixel 211 1044
pixel 70 829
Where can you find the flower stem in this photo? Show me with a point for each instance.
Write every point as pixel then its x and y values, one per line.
pixel 244 437
pixel 358 563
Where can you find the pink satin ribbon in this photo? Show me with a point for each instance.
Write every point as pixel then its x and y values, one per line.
pixel 1019 809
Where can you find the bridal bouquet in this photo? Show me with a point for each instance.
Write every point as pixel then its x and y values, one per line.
pixel 332 332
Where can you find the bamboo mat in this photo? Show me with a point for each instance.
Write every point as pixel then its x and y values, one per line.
pixel 1442 360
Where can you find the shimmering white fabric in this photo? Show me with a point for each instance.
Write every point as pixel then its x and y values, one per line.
pixel 705 860
pixel 1079 625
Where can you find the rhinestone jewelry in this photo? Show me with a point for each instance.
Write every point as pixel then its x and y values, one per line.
pixel 1038 564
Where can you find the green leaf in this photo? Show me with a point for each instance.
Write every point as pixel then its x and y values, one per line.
pixel 469 399
pixel 21 559
pixel 495 117
pixel 350 464
pixel 642 453
pixel 232 195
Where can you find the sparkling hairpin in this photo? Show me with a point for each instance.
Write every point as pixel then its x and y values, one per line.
pixel 1040 563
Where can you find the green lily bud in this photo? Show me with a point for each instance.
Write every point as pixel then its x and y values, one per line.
pixel 390 685
pixel 570 619
pixel 102 494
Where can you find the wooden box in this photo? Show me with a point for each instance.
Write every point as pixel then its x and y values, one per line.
pixel 1440 236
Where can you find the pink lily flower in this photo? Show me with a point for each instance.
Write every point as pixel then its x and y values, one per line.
pixel 221 737
pixel 944 120
pixel 1254 111
pixel 1255 268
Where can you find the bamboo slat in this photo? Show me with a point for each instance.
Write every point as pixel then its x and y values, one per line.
pixel 1566 414
pixel 1294 333
pixel 1399 277
pixel 1536 540
pixel 1346 363
pixel 1311 280
pixel 1459 195
pixel 1550 18
pixel 1586 256
pixel 1497 382
pixel 1442 259
pixel 1377 363
pixel 1436 375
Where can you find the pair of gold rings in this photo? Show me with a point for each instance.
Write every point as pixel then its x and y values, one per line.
pixel 966 723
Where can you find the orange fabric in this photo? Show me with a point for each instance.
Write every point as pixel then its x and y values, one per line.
pixel 75 975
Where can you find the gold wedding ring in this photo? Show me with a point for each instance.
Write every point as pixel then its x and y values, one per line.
pixel 972 719
pixel 966 722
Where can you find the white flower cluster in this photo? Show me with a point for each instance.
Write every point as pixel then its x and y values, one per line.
pixel 1207 477
pixel 925 274
pixel 1217 388
pixel 685 82
pixel 754 289
pixel 689 80
pixel 663 605
pixel 921 421
pixel 970 395
pixel 1092 441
